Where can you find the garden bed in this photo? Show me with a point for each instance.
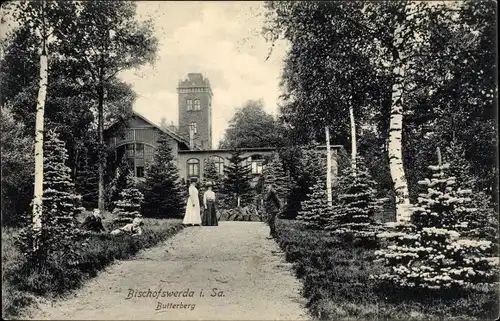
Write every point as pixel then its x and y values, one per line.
pixel 336 282
pixel 22 283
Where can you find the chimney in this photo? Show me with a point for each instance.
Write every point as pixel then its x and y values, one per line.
pixel 191 137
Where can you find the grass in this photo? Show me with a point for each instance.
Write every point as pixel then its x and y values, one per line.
pixel 23 283
pixel 336 283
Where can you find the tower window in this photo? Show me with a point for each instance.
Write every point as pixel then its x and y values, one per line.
pixel 189 104
pixel 194 127
pixel 197 105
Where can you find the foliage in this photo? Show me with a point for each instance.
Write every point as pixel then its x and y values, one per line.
pixel 17 170
pixel 60 206
pixel 211 174
pixel 355 206
pixel 86 182
pixel 274 173
pixel 23 281
pixel 118 183
pixel 337 285
pixel 237 180
pixel 450 87
pixel 128 206
pixel 483 220
pixel 163 189
pixel 315 210
pixel 429 253
pixel 251 126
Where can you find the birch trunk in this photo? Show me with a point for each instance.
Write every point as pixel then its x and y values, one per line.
pixel 328 167
pixel 101 159
pixel 354 150
pixel 39 128
pixel 395 134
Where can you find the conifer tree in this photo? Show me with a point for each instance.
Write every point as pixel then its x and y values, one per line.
pixel 118 183
pixel 482 222
pixel 355 205
pixel 210 174
pixel 128 206
pixel 237 181
pixel 429 252
pixel 61 205
pixel 275 174
pixel 163 189
pixel 86 183
pixel 315 211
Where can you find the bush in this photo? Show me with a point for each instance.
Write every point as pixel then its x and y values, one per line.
pixel 24 280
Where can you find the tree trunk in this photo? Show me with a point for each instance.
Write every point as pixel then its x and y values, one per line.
pixel 39 129
pixel 328 168
pixel 101 158
pixel 354 150
pixel 395 147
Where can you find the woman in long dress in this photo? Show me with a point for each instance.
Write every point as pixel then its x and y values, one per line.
pixel 192 216
pixel 210 215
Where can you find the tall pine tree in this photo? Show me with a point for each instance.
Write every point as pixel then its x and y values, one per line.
pixel 163 188
pixel 237 181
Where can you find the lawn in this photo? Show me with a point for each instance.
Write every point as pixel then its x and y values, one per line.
pixel 337 285
pixel 22 283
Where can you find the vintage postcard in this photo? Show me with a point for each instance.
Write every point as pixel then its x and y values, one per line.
pixel 258 160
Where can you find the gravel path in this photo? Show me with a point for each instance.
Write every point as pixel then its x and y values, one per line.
pixel 242 274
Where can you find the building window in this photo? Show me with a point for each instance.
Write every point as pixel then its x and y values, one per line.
pixel 129 148
pixel 218 162
pixel 197 105
pixel 256 162
pixel 189 104
pixel 194 127
pixel 140 171
pixel 193 167
pixel 139 150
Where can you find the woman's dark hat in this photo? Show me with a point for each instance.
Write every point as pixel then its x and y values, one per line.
pixel 193 180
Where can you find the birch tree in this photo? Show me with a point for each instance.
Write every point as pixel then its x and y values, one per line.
pixel 41 19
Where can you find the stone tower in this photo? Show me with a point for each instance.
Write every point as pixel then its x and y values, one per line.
pixel 195 110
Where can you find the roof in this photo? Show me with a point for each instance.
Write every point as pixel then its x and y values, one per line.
pixel 167 131
pixel 250 149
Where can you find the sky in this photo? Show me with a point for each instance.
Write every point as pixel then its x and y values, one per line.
pixel 222 41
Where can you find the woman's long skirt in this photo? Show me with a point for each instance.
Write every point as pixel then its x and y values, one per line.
pixel 210 215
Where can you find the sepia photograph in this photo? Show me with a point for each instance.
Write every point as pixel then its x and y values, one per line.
pixel 249 160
